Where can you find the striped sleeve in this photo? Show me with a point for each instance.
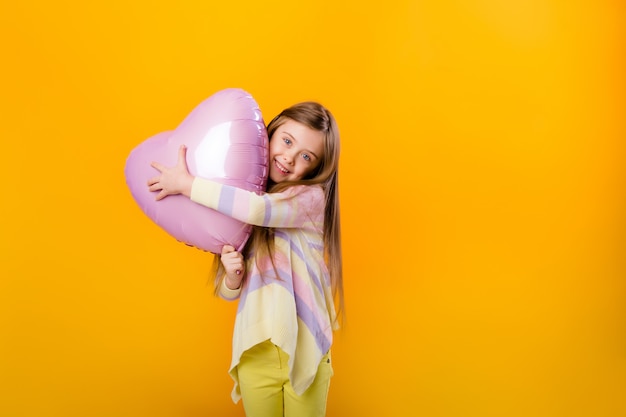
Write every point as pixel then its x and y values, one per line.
pixel 228 294
pixel 295 207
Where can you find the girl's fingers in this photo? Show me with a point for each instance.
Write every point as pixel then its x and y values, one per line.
pixel 182 155
pixel 232 260
pixel 157 166
pixel 227 249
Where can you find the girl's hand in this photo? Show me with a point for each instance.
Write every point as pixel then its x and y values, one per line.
pixel 175 180
pixel 233 265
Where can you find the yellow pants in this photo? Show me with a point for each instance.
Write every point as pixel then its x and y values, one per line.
pixel 266 390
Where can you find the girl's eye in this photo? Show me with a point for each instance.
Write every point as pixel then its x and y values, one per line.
pixel 287 141
pixel 306 157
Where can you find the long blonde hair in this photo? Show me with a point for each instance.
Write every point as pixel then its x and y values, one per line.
pixel 316 117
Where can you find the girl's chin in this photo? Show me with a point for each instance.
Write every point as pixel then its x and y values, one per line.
pixel 276 178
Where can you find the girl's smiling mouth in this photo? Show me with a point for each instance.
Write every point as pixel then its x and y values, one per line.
pixel 280 167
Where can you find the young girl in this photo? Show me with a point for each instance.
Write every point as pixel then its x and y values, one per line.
pixel 292 273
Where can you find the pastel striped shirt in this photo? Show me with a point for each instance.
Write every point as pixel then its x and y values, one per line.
pixel 295 311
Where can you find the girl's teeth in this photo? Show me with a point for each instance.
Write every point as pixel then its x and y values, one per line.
pixel 281 168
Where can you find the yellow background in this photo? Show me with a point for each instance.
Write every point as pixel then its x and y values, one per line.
pixel 482 192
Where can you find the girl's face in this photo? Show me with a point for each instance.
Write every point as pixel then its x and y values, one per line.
pixel 295 151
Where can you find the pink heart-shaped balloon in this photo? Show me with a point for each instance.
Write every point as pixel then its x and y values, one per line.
pixel 226 141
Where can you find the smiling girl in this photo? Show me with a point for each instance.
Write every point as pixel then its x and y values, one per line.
pixel 291 275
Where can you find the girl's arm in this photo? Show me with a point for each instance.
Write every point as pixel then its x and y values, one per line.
pixel 294 207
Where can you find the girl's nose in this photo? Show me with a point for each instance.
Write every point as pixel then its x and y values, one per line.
pixel 288 158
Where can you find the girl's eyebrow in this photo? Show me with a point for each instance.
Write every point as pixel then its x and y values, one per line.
pixel 295 140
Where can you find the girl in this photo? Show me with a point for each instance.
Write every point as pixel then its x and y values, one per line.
pixel 292 273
